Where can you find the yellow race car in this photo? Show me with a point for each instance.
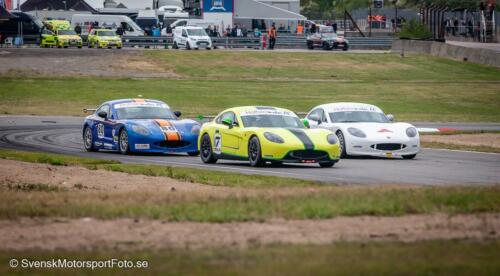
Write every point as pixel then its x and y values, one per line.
pixel 263 134
pixel 104 38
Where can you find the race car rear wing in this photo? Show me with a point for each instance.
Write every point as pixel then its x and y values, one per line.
pixel 87 110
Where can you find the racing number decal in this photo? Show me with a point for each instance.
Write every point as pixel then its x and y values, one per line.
pixel 100 131
pixel 217 143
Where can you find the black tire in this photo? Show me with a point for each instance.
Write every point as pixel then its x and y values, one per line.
pixel 89 45
pixel 255 152
pixel 118 47
pixel 175 46
pixel 310 45
pixel 194 153
pixel 188 47
pixel 411 156
pixel 123 145
pixel 340 135
pixel 326 164
pixel 88 139
pixel 346 47
pixel 207 154
pixel 79 47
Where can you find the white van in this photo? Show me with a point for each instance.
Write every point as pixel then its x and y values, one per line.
pixel 107 21
pixel 192 22
pixel 189 37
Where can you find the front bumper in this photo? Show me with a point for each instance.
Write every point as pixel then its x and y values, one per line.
pixel 152 144
pixel 202 45
pixel 382 147
pixel 296 153
pixel 69 43
pixel 105 44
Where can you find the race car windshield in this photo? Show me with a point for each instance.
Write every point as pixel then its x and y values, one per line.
pixel 107 33
pixel 358 117
pixel 329 35
pixel 145 112
pixel 66 32
pixel 196 32
pixel 271 121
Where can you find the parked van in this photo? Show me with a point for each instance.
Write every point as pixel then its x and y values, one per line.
pixel 106 22
pixel 191 38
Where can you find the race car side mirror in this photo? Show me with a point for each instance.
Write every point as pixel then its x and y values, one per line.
pixel 228 122
pixel 102 114
pixel 177 113
pixel 390 117
pixel 315 118
pixel 306 123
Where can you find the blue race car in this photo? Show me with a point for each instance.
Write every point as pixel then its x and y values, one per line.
pixel 139 125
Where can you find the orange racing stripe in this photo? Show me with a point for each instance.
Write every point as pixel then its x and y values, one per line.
pixel 169 135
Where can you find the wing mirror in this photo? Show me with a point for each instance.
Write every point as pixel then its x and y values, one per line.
pixel 102 114
pixel 390 117
pixel 229 122
pixel 177 113
pixel 306 123
pixel 315 117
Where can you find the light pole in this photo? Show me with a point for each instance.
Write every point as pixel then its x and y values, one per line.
pixel 65 7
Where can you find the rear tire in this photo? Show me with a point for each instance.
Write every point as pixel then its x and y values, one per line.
pixel 310 45
pixel 207 154
pixel 346 47
pixel 411 156
pixel 188 47
pixel 343 153
pixel 88 139
pixel 325 46
pixel 255 152
pixel 175 46
pixel 326 164
pixel 123 145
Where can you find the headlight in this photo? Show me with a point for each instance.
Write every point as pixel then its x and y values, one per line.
pixel 411 132
pixel 140 129
pixel 356 132
pixel 332 139
pixel 195 129
pixel 274 137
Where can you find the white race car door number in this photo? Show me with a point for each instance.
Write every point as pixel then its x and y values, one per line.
pixel 100 131
pixel 217 143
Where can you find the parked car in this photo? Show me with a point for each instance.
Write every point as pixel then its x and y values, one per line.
pixel 104 38
pixel 326 39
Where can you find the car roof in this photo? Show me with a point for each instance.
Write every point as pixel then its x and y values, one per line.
pixel 120 101
pixel 257 108
pixel 349 106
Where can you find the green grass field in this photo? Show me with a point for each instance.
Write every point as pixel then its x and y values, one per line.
pixel 416 88
pixel 372 258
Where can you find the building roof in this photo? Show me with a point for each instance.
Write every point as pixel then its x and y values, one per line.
pixel 4 14
pixel 77 5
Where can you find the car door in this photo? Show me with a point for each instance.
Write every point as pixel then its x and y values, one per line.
pixel 47 37
pixel 184 37
pixel 227 138
pixel 103 127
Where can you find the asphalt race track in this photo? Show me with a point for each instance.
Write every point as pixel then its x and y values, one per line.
pixel 430 167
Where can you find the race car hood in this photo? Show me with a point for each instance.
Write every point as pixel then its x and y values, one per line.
pixel 375 130
pixel 299 136
pixel 160 126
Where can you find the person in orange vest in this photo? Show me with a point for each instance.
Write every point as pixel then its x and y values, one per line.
pixel 272 36
pixel 300 29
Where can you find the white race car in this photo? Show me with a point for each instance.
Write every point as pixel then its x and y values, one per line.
pixel 364 129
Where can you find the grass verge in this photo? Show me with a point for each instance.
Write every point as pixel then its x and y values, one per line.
pixel 437 145
pixel 373 258
pixel 208 177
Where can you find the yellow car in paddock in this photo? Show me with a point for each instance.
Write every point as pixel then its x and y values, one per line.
pixel 104 38
pixel 263 134
pixel 59 33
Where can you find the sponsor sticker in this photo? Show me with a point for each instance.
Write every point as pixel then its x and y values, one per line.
pixel 141 146
pixel 268 112
pixel 100 131
pixel 388 154
pixel 140 104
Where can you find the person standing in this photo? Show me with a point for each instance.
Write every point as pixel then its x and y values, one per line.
pixel 272 36
pixel 78 29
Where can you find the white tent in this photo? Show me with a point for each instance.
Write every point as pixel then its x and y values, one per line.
pixel 252 9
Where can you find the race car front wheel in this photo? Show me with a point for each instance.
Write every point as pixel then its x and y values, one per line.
pixel 340 135
pixel 123 145
pixel 206 154
pixel 411 156
pixel 326 164
pixel 255 152
pixel 88 140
